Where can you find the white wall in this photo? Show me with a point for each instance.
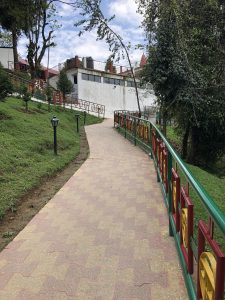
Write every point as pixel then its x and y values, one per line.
pixel 6 58
pixel 114 97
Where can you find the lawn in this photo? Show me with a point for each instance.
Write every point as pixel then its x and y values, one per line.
pixel 213 182
pixel 26 147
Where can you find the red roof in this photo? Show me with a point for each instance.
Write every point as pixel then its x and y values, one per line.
pixel 23 61
pixel 143 60
pixel 52 71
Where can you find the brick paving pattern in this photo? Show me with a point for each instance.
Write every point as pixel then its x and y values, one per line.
pixel 103 236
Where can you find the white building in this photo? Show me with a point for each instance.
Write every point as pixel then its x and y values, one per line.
pixel 115 91
pixel 6 57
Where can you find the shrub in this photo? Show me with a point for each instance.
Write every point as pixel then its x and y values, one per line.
pixel 6 86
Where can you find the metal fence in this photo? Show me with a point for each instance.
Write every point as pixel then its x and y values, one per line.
pixel 195 221
pixel 75 103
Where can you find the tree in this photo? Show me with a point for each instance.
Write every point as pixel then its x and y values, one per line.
pixel 26 96
pixel 64 85
pixel 13 20
pixel 34 18
pixel 48 93
pixel 6 86
pixel 93 18
pixel 40 26
pixel 5 38
pixel 186 60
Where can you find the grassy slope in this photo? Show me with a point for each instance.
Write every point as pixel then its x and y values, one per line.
pixel 26 147
pixel 212 183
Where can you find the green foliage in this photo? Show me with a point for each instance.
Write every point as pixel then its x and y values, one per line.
pixel 6 86
pixel 34 18
pixel 41 23
pixel 23 75
pixel 64 84
pixel 49 93
pixel 39 105
pixel 5 38
pixel 39 94
pixel 185 66
pixel 26 147
pixel 13 19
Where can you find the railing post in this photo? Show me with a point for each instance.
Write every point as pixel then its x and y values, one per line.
pixel 135 131
pixel 114 118
pixel 125 125
pixel 150 140
pixel 169 178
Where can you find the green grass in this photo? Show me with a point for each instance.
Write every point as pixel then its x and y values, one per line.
pixel 172 135
pixel 26 147
pixel 213 183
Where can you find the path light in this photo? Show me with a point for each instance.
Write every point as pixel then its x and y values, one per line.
pixel 77 116
pixel 85 114
pixel 55 123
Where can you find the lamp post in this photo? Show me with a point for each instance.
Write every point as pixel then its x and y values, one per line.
pixel 85 114
pixel 55 123
pixel 77 116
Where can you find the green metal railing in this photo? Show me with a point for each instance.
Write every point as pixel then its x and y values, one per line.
pixel 195 221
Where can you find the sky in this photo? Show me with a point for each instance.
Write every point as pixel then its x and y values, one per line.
pixel 68 44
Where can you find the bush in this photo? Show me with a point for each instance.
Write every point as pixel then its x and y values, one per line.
pixel 26 96
pixel 6 86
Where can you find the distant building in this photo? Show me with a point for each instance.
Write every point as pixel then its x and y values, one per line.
pixel 22 65
pixel 7 60
pixel 115 91
pixel 6 57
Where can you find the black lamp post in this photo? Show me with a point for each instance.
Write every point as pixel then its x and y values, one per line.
pixel 55 123
pixel 85 114
pixel 77 116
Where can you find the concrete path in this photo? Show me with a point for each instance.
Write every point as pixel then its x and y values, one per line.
pixel 103 236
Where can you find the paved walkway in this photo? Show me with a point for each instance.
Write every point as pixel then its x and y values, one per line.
pixel 103 236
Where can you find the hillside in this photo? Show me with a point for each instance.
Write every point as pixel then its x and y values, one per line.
pixel 26 147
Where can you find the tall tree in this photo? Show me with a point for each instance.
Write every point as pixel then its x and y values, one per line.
pixel 186 67
pixel 64 85
pixel 12 19
pixel 40 25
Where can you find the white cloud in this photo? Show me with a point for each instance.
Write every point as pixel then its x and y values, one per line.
pixel 126 12
pixel 69 44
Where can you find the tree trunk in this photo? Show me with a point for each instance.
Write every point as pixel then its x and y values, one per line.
pixel 193 153
pixel 15 53
pixel 185 142
pixel 64 101
pixel 32 72
pixel 164 122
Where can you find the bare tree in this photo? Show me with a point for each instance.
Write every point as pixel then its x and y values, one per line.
pixel 39 31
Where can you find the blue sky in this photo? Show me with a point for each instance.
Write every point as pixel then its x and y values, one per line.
pixel 68 43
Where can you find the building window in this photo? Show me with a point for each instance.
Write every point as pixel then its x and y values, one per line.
pixel 75 79
pixel 106 80
pixel 131 84
pixel 90 77
pixel 114 81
